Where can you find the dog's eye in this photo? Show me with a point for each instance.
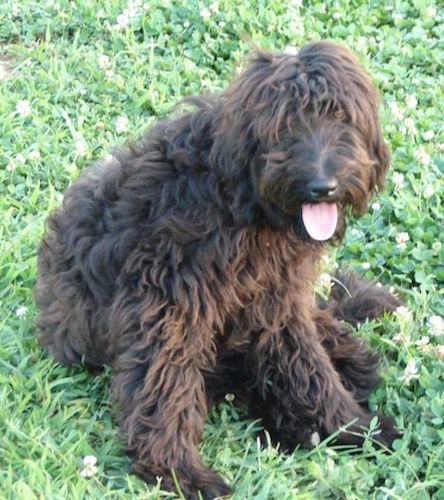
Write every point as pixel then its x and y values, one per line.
pixel 339 114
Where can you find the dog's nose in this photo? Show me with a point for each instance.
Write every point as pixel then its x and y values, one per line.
pixel 322 187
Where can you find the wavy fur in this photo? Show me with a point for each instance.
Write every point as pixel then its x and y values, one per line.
pixel 183 263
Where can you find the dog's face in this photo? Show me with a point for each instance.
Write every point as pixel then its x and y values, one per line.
pixel 319 147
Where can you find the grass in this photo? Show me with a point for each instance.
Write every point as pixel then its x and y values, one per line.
pixel 76 79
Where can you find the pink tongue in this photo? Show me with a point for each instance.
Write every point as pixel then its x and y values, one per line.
pixel 320 219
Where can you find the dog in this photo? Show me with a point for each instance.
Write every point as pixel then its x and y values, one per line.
pixel 187 263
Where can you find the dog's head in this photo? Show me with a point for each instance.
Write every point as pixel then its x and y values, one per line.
pixel 310 124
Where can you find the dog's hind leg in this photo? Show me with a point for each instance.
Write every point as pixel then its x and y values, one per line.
pixel 356 364
pixel 354 299
pixel 71 324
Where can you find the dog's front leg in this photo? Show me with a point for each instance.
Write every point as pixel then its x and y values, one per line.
pixel 299 394
pixel 160 388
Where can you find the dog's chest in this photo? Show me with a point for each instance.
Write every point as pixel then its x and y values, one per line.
pixel 266 272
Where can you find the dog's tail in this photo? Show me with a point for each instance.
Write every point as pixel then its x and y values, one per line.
pixel 354 299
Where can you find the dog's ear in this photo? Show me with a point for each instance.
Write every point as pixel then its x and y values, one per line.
pixel 265 97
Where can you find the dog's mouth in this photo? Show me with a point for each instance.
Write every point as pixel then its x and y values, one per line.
pixel 320 219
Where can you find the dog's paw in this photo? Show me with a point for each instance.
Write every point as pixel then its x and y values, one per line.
pixel 192 484
pixel 206 485
pixel 382 432
pixel 388 432
pixel 211 492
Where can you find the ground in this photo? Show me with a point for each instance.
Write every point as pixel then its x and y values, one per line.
pixel 77 78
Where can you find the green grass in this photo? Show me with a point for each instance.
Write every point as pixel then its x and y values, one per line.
pixel 63 104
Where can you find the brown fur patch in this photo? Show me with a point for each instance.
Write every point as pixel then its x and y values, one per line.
pixel 184 264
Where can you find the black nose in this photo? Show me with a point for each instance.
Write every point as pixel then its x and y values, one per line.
pixel 322 187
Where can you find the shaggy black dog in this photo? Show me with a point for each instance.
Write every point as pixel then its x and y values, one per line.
pixel 187 263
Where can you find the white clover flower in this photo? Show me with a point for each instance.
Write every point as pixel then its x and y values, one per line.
pixel 117 79
pixel 410 372
pixel 103 61
pixel 21 311
pixel 376 206
pixel 122 21
pixel 15 9
pixel 398 179
pixel 402 239
pixel 121 124
pixel 21 158
pixel 439 352
pixel 291 50
pixel 134 6
pixel 423 343
pixel 34 155
pixel 411 101
pixel 361 43
pixel 205 13
pixel 429 191
pixel 436 326
pixel 89 460
pixel 324 280
pixel 81 148
pixel 23 108
pixel 356 232
pixel 399 338
pixel 422 156
pixel 11 166
pixel 436 247
pixel 89 466
pixel 396 111
pixel 410 126
pixel 4 70
pixel 214 7
pixel 365 266
pixel 406 50
pixel 325 259
pixel 109 73
pixel 430 12
pixel 403 313
pixel 428 135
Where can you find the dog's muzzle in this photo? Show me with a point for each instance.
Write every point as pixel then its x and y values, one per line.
pixel 322 188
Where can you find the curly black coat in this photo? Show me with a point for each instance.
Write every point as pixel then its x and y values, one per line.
pixel 185 263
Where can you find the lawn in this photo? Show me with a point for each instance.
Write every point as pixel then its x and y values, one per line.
pixel 79 77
